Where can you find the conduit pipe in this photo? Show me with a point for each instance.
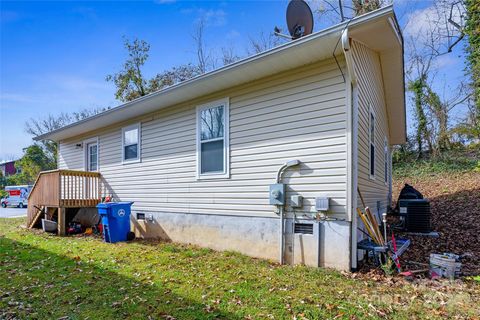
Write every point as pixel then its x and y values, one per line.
pixel 280 171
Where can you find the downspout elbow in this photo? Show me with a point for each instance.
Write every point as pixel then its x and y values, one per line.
pixel 348 56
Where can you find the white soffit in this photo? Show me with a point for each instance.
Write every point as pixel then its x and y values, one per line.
pixel 383 36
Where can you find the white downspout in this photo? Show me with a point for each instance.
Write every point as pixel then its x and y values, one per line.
pixel 352 144
pixel 348 56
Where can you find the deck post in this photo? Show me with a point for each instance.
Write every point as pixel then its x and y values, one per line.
pixel 61 221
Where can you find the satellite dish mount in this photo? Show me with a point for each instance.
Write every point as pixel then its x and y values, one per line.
pixel 299 20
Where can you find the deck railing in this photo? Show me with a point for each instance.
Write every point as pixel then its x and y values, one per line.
pixel 64 188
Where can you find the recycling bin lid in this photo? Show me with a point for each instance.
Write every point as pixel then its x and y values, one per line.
pixel 105 205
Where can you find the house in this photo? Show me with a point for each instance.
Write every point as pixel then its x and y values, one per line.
pixel 7 168
pixel 198 158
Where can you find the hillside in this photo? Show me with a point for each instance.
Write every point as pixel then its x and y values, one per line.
pixel 453 188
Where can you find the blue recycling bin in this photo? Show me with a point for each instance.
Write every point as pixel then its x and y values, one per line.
pixel 115 220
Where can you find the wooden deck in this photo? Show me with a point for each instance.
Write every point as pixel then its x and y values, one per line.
pixel 62 189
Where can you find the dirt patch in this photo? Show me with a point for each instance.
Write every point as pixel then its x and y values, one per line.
pixel 455 205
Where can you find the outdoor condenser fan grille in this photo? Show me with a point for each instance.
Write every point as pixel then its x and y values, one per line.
pixel 417 215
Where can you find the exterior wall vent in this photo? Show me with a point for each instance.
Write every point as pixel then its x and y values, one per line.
pixel 303 228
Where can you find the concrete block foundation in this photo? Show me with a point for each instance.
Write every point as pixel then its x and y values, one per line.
pixel 254 236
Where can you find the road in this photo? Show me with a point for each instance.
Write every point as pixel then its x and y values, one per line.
pixel 12 212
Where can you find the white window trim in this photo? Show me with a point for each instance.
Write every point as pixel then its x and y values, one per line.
pixel 226 140
pixel 85 153
pixel 370 113
pixel 139 143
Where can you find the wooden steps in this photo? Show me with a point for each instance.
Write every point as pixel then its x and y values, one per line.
pixel 37 215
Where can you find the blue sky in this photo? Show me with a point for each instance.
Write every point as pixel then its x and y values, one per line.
pixel 54 56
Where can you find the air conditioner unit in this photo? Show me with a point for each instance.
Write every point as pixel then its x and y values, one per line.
pixel 416 214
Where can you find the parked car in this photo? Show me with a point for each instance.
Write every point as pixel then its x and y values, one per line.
pixel 17 196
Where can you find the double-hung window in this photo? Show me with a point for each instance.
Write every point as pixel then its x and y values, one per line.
pixel 131 143
pixel 372 143
pixel 212 140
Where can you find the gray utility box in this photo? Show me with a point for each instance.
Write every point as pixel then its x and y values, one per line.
pixel 302 242
pixel 296 201
pixel 277 194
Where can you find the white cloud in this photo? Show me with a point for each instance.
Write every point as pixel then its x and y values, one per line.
pixel 165 1
pixel 213 17
pixel 59 92
pixel 419 22
pixel 232 34
pixel 14 97
pixel 44 94
pixel 446 61
pixel 422 22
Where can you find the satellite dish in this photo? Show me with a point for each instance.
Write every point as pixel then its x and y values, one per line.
pixel 299 19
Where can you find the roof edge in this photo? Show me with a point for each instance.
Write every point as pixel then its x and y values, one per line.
pixel 338 28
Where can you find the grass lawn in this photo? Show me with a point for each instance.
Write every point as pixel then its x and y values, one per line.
pixel 49 277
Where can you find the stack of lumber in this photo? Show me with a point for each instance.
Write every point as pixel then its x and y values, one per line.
pixel 371 225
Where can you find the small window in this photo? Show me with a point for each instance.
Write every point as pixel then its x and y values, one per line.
pixel 212 140
pixel 386 160
pixel 372 143
pixel 92 157
pixel 131 143
pixel 90 154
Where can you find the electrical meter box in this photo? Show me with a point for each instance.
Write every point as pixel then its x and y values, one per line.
pixel 277 194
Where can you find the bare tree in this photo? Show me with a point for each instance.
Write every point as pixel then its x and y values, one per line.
pixel 37 127
pixel 364 6
pixel 229 56
pixel 432 110
pixel 172 76
pixel 204 55
pixel 335 11
pixel 263 42
pixel 442 26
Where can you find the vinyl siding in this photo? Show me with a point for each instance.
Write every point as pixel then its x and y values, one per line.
pixel 371 94
pixel 70 157
pixel 299 114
